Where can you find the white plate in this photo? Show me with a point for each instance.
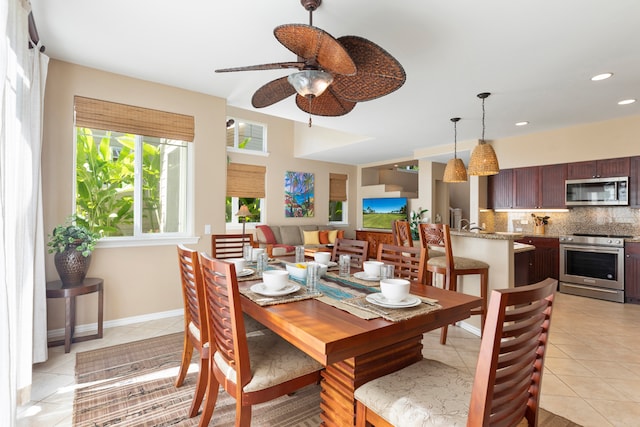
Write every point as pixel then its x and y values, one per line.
pixel 363 276
pixel 246 272
pixel 259 288
pixel 379 299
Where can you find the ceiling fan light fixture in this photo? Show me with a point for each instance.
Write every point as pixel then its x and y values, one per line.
pixel 483 161
pixel 455 170
pixel 310 83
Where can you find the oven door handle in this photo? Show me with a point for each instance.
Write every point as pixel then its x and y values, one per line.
pixel 598 249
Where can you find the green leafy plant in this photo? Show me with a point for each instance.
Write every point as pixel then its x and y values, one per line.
pixel 540 220
pixel 414 220
pixel 72 234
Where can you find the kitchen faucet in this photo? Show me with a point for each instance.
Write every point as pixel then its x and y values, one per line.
pixel 468 227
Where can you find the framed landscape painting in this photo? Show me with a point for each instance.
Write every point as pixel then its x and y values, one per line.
pixel 298 194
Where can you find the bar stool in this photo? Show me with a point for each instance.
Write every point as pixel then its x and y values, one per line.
pixel 452 267
pixel 402 233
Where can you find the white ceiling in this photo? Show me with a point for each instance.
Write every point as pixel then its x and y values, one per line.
pixel 535 57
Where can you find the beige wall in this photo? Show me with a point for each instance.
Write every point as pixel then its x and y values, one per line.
pixel 601 140
pixel 140 281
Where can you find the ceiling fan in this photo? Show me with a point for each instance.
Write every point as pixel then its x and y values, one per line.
pixel 334 75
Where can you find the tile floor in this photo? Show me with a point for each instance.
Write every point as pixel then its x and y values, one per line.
pixel 592 370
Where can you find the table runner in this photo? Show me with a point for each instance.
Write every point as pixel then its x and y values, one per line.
pixel 346 294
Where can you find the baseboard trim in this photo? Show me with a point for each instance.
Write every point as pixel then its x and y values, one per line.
pixel 91 327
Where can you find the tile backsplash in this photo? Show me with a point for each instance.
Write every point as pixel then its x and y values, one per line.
pixel 598 220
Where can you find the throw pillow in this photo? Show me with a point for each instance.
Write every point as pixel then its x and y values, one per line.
pixel 340 234
pixel 323 236
pixel 265 235
pixel 311 238
pixel 332 236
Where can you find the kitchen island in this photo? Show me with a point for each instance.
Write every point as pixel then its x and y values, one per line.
pixel 497 250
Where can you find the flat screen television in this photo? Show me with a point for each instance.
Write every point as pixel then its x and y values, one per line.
pixel 380 212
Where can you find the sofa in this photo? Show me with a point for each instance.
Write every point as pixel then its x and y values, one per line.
pixel 284 238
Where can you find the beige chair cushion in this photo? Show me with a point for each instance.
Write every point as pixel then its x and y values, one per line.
pixel 459 263
pixel 427 393
pixel 273 361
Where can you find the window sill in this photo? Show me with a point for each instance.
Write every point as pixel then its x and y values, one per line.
pixel 130 242
pixel 245 151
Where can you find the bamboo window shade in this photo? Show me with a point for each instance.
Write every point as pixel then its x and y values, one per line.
pixel 105 115
pixel 245 180
pixel 337 187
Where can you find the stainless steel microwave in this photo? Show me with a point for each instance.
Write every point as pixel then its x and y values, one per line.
pixel 597 191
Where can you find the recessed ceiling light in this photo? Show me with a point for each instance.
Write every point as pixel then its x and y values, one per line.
pixel 602 76
pixel 522 123
pixel 626 101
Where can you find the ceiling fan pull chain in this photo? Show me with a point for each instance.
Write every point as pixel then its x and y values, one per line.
pixel 309 98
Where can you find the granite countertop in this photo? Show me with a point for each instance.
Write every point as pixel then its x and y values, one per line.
pixel 522 247
pixel 499 235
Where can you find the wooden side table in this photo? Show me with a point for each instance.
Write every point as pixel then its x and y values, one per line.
pixel 88 286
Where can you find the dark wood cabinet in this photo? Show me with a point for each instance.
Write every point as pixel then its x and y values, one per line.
pixel 374 238
pixel 536 187
pixel 634 182
pixel 552 186
pixel 607 168
pixel 526 187
pixel 632 273
pixel 500 190
pixel 523 264
pixel 546 258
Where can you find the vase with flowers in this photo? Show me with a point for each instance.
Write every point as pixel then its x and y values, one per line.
pixel 539 222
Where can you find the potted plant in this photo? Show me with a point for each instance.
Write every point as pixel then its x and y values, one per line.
pixel 72 244
pixel 416 218
pixel 539 222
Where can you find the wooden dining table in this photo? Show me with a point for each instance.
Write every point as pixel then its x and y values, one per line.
pixel 354 350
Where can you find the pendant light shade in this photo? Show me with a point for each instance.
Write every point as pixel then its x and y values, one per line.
pixel 455 170
pixel 483 160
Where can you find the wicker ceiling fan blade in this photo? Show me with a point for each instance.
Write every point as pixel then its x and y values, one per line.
pixel 327 104
pixel 378 74
pixel 260 67
pixel 317 47
pixel 272 92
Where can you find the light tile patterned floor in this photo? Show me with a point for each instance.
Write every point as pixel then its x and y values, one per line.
pixel 592 370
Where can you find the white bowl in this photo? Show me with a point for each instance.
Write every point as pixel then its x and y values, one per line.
pixel 322 257
pixel 274 280
pixel 395 290
pixel 299 270
pixel 239 262
pixel 372 268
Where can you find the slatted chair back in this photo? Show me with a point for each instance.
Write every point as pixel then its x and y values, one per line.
pixel 277 367
pixel 224 246
pixel 196 334
pixel 402 233
pixel 357 249
pixel 508 375
pixel 409 262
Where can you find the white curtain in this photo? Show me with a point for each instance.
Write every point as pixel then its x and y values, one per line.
pixel 22 281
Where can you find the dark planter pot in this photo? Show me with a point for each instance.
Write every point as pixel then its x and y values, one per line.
pixel 72 266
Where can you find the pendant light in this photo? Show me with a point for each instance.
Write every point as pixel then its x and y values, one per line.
pixel 483 160
pixel 455 170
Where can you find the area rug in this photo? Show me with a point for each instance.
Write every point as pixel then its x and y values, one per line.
pixel 132 385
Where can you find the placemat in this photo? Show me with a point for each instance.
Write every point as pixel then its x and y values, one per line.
pixel 353 279
pixel 392 314
pixel 264 300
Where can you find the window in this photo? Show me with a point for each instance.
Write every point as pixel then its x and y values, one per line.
pixel 129 184
pixel 233 205
pixel 337 197
pixel 243 135
pixel 245 186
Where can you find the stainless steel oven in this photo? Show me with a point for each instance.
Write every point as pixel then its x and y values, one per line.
pixel 592 266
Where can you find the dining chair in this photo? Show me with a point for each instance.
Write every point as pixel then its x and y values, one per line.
pixel 508 375
pixel 453 266
pixel 409 262
pixel 196 334
pixel 225 246
pixel 252 368
pixel 401 231
pixel 357 249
